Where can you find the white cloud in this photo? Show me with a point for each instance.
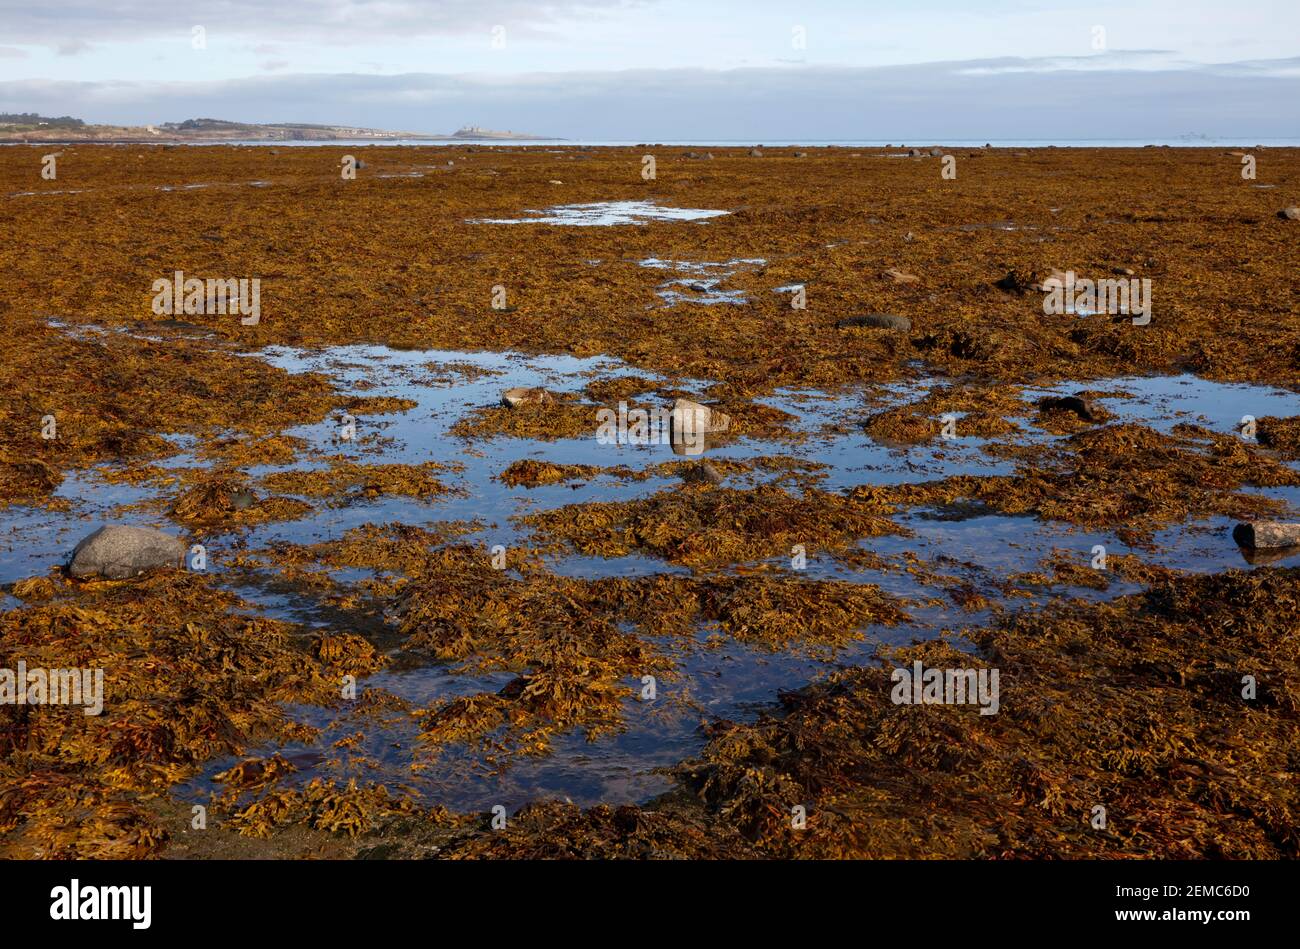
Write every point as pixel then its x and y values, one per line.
pixel 59 22
pixel 984 100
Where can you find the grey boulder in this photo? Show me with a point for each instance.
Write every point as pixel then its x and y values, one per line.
pixel 1265 534
pixel 118 552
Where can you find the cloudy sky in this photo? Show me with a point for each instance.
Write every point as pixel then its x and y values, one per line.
pixel 652 70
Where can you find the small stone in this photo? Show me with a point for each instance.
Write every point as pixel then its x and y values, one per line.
pixel 1071 403
pixel 1257 534
pixel 692 416
pixel 1289 214
pixel 1017 281
pixel 936 152
pixel 118 552
pixel 884 321
pixel 1056 280
pixel 702 473
pixel 522 395
pixel 755 153
pixel 690 422
pixel 898 276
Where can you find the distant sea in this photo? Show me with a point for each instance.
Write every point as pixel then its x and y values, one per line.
pixel 806 143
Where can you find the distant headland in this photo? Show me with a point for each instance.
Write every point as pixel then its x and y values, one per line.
pixel 38 129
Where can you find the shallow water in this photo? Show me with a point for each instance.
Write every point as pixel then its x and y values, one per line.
pixel 702 284
pixel 606 214
pixel 972 548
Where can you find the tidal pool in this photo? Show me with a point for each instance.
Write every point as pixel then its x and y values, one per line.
pixel 606 214
pixel 968 547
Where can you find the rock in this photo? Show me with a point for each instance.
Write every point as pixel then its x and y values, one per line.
pixel 361 165
pixel 936 152
pixel 1257 534
pixel 915 153
pixel 118 552
pixel 898 276
pixel 1289 214
pixel 686 413
pixel 800 154
pixel 755 153
pixel 1017 281
pixel 522 395
pixel 1053 281
pixel 1071 403
pixel 242 499
pixel 883 321
pixel 690 422
pixel 702 473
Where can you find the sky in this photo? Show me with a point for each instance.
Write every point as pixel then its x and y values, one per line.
pixel 651 70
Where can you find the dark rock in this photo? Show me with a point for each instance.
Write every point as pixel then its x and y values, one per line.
pixel 1071 403
pixel 1018 281
pixel 884 321
pixel 702 473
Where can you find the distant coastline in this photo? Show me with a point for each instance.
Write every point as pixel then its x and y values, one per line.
pixel 38 131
